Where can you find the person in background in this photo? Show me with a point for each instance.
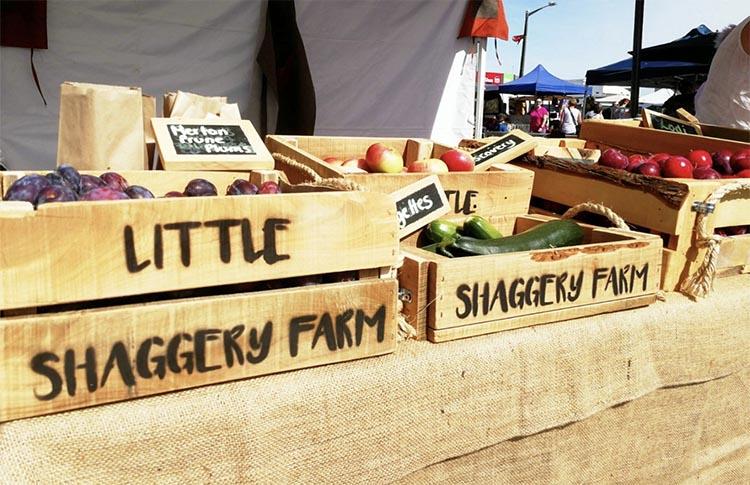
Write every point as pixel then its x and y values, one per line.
pixel 724 99
pixel 539 118
pixel 570 118
pixel 595 113
pixel 505 125
pixel 622 110
pixel 686 99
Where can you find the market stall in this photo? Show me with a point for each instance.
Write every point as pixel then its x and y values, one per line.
pixel 653 394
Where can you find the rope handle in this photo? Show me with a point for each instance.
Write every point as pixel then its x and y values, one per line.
pixel 294 164
pixel 700 284
pixel 600 209
pixel 316 180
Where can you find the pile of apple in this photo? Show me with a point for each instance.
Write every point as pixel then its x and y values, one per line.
pixel 699 164
pixel 381 158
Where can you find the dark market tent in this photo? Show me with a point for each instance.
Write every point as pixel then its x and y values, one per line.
pixel 654 74
pixel 539 81
pixel 696 46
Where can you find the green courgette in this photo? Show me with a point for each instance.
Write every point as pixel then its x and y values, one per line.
pixel 440 248
pixel 440 230
pixel 553 234
pixel 480 228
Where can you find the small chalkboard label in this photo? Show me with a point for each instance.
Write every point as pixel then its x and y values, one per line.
pixel 193 144
pixel 419 204
pixel 658 121
pixel 503 149
pixel 209 140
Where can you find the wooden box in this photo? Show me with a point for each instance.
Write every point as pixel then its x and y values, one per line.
pixel 81 251
pixel 502 190
pixel 452 298
pixel 660 206
pixel 60 361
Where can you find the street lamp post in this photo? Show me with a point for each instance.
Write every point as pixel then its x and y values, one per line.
pixel 528 14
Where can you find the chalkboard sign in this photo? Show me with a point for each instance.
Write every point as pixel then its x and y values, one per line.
pixel 503 149
pixel 209 140
pixel 419 204
pixel 658 121
pixel 190 144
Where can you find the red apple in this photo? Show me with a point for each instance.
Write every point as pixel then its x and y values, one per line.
pixel 650 169
pixel 614 158
pixel 360 163
pixel 678 167
pixel 635 161
pixel 706 173
pixel 458 160
pixel 659 158
pixel 700 158
pixel 352 170
pixel 333 160
pixel 431 165
pixel 743 174
pixel 722 161
pixel 384 159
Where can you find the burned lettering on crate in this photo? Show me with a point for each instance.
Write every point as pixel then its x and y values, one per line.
pixel 154 358
pixel 228 238
pixel 336 336
pixel 481 299
pixel 617 281
pixel 462 203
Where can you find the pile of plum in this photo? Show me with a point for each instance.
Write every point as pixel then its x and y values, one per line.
pixel 65 184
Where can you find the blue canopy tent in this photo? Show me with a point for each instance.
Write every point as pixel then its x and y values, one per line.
pixel 539 81
pixel 654 74
pixel 696 46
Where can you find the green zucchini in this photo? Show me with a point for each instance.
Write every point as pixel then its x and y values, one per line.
pixel 553 234
pixel 440 230
pixel 440 248
pixel 480 228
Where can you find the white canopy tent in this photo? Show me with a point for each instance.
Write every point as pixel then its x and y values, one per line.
pixel 386 68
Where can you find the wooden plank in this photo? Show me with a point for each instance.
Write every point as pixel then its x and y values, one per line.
pixel 174 345
pixel 455 333
pixel 645 140
pixel 93 250
pixel 735 253
pixel 413 280
pixel 477 289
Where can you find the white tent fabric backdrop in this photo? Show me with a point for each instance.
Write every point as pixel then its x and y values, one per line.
pixel 386 68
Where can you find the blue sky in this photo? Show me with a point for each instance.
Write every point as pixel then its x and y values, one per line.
pixel 577 35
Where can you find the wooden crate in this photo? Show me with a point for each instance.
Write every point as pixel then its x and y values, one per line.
pixel 502 190
pixel 61 361
pixel 81 251
pixel 462 297
pixel 660 206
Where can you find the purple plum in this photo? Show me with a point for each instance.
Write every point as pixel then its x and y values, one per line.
pixel 104 193
pixel 56 193
pixel 174 193
pixel 71 176
pixel 27 188
pixel 114 181
pixel 138 192
pixel 242 187
pixel 55 178
pixel 200 188
pixel 89 182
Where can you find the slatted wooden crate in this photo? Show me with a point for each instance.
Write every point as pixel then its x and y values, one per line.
pixel 467 296
pixel 660 206
pixel 106 301
pixel 502 190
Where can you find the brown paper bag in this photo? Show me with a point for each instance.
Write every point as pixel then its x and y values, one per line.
pixel 149 111
pixel 101 127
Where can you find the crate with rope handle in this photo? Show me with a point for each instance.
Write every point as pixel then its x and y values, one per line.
pixel 111 300
pixel 667 207
pixel 447 298
pixel 491 189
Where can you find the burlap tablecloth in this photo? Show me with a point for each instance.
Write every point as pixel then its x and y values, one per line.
pixel 659 394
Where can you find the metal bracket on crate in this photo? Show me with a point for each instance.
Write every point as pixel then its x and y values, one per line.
pixel 703 208
pixel 404 295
